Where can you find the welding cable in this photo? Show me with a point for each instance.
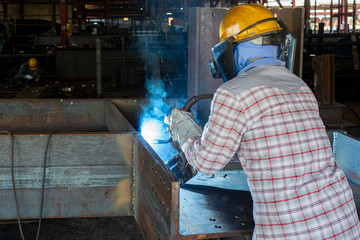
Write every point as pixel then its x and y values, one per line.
pixel 195 99
pixel 43 183
pixel 13 182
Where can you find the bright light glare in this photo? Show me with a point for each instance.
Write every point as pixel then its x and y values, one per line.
pixel 152 129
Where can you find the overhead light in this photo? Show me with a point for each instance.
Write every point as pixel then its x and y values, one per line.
pixel 126 19
pixel 181 8
pixel 168 13
pixel 141 9
pixel 95 22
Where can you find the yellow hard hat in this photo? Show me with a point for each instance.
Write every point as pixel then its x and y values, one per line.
pixel 247 22
pixel 33 64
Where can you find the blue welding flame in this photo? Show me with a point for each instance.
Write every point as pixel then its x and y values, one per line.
pixel 152 126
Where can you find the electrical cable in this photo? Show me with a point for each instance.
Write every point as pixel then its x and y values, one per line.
pixel 13 182
pixel 43 184
pixel 195 99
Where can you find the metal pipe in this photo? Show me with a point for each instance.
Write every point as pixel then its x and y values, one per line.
pixel 354 16
pixel 331 16
pixel 98 66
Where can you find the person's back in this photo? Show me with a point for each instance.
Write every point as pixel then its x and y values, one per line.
pixel 297 188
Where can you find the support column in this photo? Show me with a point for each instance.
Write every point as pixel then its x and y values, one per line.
pixel 307 15
pixel 53 14
pixel 324 78
pixel 331 15
pixel 98 66
pixel 354 16
pixel 5 11
pixel 22 9
pixel 63 19
pixel 345 14
pixel 107 20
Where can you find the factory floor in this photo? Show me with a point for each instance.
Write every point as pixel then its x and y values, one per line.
pixel 115 228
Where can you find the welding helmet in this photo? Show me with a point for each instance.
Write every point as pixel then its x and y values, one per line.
pixel 249 22
pixel 33 64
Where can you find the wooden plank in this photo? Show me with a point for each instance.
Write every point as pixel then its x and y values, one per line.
pixel 30 92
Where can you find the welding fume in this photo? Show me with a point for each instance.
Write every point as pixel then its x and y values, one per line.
pixel 154 121
pixel 268 118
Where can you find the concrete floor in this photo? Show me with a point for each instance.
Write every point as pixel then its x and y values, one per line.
pixel 115 228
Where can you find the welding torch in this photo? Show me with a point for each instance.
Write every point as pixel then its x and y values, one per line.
pixel 186 107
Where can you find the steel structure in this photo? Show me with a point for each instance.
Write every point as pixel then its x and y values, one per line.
pixel 98 165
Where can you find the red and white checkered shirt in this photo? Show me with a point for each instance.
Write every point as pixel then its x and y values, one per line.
pixel 299 192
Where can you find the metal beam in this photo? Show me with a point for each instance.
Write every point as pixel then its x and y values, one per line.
pixel 63 19
pixel 53 14
pixel 280 5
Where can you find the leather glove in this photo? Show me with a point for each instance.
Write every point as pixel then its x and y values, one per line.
pixel 28 76
pixel 182 126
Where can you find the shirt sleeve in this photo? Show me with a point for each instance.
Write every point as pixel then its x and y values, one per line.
pixel 221 137
pixel 22 71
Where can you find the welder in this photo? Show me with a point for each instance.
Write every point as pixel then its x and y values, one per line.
pixel 269 118
pixel 29 72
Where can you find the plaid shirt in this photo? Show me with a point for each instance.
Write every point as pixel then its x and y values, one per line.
pixel 299 191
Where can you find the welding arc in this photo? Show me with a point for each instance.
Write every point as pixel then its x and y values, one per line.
pixel 186 107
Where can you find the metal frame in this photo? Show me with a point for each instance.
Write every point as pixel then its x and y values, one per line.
pixel 100 166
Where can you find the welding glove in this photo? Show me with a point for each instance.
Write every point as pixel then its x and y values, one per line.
pixel 29 77
pixel 182 126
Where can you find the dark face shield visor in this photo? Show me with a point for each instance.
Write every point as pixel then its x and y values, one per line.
pixel 223 66
pixel 287 47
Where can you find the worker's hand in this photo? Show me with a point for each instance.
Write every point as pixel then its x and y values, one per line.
pixel 28 76
pixel 182 126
